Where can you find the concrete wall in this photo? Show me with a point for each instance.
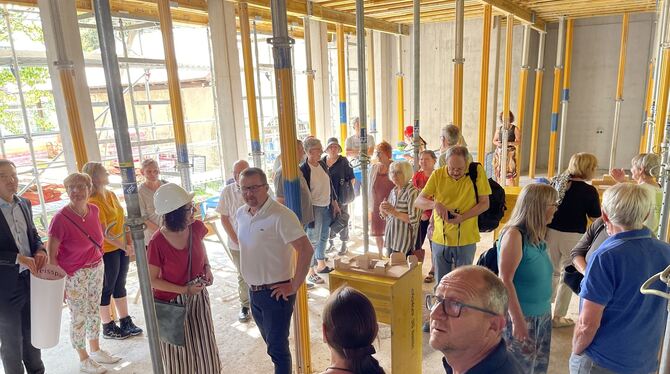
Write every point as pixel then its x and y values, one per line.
pixel 593 85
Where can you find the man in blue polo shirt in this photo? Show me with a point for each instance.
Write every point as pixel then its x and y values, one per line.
pixel 467 319
pixel 620 329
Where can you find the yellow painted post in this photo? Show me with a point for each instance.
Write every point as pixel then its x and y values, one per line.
pixel 662 101
pixel 370 47
pixel 484 83
pixel 537 105
pixel 176 108
pixel 647 110
pixel 521 111
pixel 401 93
pixel 66 74
pixel 341 75
pixel 619 89
pixel 506 98
pixel 565 99
pixel 556 100
pixel 283 67
pixel 245 36
pixel 458 64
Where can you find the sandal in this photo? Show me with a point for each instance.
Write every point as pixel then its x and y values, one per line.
pixel 315 279
pixel 429 278
pixel 558 322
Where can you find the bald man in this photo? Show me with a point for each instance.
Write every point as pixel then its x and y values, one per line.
pixel 467 319
pixel 231 200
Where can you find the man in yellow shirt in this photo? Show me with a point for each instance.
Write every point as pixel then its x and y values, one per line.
pixel 451 194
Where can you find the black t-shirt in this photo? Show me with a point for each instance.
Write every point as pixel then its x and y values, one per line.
pixel 499 361
pixel 340 173
pixel 580 200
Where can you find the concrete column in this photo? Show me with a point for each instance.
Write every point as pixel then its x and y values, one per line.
pixel 386 67
pixel 319 42
pixel 228 81
pixel 70 30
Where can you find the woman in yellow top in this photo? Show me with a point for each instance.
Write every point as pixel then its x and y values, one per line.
pixel 116 255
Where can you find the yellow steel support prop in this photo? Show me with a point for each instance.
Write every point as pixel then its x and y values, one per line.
pixel 565 98
pixel 484 83
pixel 662 102
pixel 397 302
pixel 176 108
pixel 506 98
pixel 555 105
pixel 458 63
pixel 458 95
pixel 310 75
pixel 67 81
pixel 341 78
pixel 647 109
pixel 401 107
pixel 619 88
pixel 537 104
pixel 245 36
pixel 370 51
pixel 521 109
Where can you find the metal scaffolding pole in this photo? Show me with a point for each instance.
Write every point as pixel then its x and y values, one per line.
pixel 110 64
pixel 656 133
pixel 416 7
pixel 484 83
pixel 258 84
pixel 661 121
pixel 566 93
pixel 342 83
pixel 309 71
pixel 281 51
pixel 400 92
pixel 65 69
pixel 523 83
pixel 556 99
pixel 537 106
pixel 458 60
pixel 497 25
pixel 176 107
pixel 131 88
pixel 507 90
pixel 245 36
pixel 371 81
pixel 619 88
pixel 26 121
pixel 362 108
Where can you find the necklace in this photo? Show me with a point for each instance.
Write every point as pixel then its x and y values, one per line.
pixel 81 216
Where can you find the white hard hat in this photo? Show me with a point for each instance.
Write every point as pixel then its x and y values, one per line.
pixel 170 197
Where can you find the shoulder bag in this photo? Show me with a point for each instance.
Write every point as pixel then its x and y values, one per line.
pixel 171 316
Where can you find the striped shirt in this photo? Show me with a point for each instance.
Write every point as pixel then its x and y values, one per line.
pixel 400 236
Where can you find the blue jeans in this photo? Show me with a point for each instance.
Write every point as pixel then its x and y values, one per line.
pixel 273 318
pixel 448 258
pixel 318 235
pixel 582 364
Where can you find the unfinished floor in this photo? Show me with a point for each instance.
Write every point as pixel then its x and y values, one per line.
pixel 241 348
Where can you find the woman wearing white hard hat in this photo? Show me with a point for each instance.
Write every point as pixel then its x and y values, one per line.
pixel 178 238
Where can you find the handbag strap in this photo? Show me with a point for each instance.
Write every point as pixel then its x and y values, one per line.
pixel 190 252
pixel 83 232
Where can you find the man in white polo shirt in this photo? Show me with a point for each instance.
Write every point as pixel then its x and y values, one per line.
pixel 230 201
pixel 270 236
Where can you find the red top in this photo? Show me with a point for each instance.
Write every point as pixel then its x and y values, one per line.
pixel 419 180
pixel 173 262
pixel 76 250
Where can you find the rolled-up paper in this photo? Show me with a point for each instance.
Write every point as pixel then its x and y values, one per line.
pixel 46 305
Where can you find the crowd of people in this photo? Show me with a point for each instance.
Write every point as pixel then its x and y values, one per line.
pixel 481 321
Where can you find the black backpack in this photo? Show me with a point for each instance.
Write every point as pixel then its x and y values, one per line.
pixel 490 219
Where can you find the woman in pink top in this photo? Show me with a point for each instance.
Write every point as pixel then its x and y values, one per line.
pixel 168 255
pixel 75 240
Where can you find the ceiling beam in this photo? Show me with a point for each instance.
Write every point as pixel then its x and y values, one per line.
pixel 522 14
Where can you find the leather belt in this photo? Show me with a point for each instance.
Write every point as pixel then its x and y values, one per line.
pixel 264 287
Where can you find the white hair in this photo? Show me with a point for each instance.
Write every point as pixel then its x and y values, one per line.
pixel 310 143
pixel 405 168
pixel 627 205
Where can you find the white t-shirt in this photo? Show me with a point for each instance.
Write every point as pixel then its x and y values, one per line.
pixel 229 202
pixel 319 185
pixel 266 255
pixel 354 142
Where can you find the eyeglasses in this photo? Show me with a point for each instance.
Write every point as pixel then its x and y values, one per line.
pixel 252 189
pixel 452 308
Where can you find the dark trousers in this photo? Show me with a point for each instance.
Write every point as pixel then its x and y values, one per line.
pixel 421 234
pixel 116 271
pixel 273 318
pixel 15 347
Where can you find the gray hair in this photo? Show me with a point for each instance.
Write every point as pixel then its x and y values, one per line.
pixel 492 291
pixel 452 134
pixel 310 143
pixel 627 205
pixel 4 162
pixel 457 151
pixel 405 168
pixel 250 172
pixel 648 163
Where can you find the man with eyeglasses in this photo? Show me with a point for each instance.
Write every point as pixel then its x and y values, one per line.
pixel 270 236
pixel 467 319
pixel 230 201
pixel 21 253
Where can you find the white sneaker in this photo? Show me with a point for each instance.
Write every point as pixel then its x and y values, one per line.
pixel 104 357
pixel 90 366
